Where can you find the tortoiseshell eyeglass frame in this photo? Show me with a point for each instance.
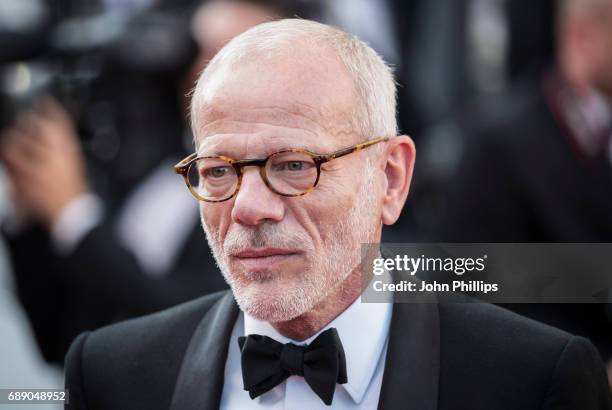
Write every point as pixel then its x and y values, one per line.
pixel 182 168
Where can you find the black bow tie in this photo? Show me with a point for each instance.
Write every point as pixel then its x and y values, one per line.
pixel 266 363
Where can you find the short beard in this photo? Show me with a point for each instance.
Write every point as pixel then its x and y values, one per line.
pixel 320 277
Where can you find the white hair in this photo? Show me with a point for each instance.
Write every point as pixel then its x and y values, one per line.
pixel 372 77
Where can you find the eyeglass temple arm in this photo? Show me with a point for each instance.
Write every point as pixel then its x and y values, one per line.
pixel 345 151
pixel 181 166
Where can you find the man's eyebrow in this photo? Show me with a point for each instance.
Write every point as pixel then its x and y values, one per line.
pixel 214 152
pixel 219 148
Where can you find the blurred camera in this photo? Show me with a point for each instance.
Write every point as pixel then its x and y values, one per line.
pixel 62 49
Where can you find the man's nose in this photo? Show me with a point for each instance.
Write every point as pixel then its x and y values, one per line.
pixel 255 202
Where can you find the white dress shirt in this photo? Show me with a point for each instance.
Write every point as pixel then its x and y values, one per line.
pixel 363 329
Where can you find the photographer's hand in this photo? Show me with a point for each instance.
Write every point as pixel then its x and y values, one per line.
pixel 44 161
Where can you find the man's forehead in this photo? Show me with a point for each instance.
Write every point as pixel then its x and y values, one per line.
pixel 287 86
pixel 291 126
pixel 260 146
pixel 282 113
pixel 269 128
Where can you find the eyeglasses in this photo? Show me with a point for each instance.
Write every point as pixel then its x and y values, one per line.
pixel 291 172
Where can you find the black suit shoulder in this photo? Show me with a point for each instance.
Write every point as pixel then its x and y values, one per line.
pixel 497 356
pixel 133 361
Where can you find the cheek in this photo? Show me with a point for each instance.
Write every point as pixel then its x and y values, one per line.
pixel 321 215
pixel 217 217
pixel 334 198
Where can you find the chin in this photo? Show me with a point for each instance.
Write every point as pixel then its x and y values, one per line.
pixel 270 314
pixel 273 302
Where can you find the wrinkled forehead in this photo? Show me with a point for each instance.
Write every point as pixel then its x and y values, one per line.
pixel 310 91
pixel 246 132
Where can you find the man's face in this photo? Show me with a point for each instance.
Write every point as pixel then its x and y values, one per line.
pixel 283 255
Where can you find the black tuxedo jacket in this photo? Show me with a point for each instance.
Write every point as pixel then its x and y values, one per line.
pixel 440 356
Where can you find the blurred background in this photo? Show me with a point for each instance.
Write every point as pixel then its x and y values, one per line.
pixel 508 102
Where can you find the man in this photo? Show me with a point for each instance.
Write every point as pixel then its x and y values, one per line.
pixel 287 239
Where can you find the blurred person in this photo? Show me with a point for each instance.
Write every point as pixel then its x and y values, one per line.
pixel 23 366
pixel 536 166
pixel 80 263
pixel 540 156
pixel 297 164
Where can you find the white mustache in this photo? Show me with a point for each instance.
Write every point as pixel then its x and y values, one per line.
pixel 266 235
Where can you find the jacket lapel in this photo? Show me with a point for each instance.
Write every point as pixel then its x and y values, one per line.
pixel 412 365
pixel 200 381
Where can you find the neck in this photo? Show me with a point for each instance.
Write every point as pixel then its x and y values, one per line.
pixel 336 302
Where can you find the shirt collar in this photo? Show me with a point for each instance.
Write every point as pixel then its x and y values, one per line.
pixel 363 329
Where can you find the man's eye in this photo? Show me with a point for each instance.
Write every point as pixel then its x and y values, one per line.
pixel 216 172
pixel 293 166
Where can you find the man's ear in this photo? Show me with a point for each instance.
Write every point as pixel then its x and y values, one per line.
pixel 398 167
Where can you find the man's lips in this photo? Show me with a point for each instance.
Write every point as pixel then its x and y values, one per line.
pixel 262 252
pixel 260 259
